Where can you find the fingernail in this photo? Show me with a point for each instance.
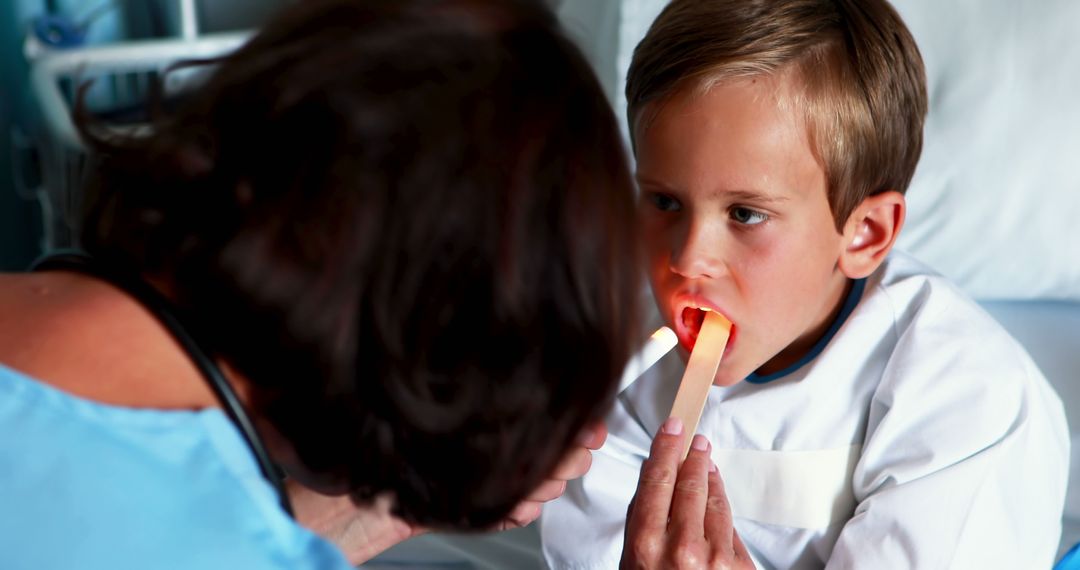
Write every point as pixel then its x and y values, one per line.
pixel 700 443
pixel 586 437
pixel 713 468
pixel 673 426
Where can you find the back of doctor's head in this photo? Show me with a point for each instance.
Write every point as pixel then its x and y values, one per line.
pixel 409 224
pixel 863 87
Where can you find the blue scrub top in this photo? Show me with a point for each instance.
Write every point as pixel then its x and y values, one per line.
pixel 92 486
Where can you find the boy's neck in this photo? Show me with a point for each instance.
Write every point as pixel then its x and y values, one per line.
pixel 808 342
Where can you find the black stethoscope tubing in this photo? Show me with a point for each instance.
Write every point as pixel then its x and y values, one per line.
pixel 160 307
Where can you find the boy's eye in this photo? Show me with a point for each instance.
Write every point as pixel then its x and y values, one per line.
pixel 747 217
pixel 663 202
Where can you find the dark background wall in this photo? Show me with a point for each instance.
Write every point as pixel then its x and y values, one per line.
pixel 20 225
pixel 20 215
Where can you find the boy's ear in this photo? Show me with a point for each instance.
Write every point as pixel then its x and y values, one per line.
pixel 870 232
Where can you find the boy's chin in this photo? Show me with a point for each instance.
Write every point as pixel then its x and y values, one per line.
pixel 736 369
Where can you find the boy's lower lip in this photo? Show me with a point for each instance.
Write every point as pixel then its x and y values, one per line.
pixel 688 343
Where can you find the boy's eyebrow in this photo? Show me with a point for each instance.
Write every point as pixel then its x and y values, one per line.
pixel 752 196
pixel 742 194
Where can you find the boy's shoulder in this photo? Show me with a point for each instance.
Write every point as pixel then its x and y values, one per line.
pixel 918 296
pixel 938 331
pixel 913 329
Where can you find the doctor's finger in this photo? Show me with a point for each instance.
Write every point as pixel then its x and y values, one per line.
pixel 594 436
pixel 652 501
pixel 574 464
pixel 719 528
pixel 691 492
pixel 548 490
pixel 524 513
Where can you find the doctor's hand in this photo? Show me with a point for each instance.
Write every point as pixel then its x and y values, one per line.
pixel 574 464
pixel 360 533
pixel 680 517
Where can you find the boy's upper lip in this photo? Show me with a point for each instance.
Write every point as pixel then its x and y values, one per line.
pixel 696 300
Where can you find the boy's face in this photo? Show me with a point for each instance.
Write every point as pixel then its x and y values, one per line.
pixel 734 217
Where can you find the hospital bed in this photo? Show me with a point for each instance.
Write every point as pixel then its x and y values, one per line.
pixel 120 74
pixel 995 204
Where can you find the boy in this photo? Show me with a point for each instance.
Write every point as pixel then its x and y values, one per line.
pixel 865 414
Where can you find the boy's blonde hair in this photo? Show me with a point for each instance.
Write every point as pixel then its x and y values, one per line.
pixel 862 84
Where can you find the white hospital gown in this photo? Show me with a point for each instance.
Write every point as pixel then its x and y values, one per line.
pixel 922 436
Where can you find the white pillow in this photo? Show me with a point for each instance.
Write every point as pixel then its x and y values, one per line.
pixel 995 203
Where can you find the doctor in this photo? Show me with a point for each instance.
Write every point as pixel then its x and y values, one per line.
pixel 374 271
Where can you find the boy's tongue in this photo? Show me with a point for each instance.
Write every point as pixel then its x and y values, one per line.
pixel 692 319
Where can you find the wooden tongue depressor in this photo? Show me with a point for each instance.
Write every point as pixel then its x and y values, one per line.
pixel 700 372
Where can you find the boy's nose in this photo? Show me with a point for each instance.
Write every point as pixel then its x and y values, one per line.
pixel 697 255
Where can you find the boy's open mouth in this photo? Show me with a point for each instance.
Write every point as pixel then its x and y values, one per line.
pixel 688 327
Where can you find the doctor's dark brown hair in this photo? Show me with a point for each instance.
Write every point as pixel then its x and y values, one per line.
pixel 410 225
pixel 863 93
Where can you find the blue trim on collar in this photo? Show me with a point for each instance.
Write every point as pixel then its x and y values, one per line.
pixel 852 299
